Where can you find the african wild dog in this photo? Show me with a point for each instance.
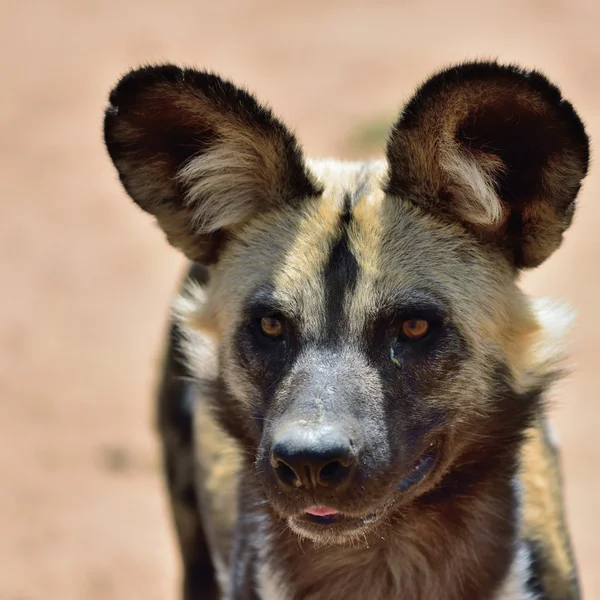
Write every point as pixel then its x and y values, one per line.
pixel 352 405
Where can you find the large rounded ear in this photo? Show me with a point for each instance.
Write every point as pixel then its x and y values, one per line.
pixel 200 154
pixel 497 148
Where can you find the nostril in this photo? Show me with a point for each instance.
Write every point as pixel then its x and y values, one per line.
pixel 333 472
pixel 286 474
pixel 308 457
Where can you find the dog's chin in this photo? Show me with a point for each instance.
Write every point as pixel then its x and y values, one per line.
pixel 337 529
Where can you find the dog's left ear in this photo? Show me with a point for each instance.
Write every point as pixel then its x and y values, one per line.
pixel 497 148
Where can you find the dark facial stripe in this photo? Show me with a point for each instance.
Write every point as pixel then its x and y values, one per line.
pixel 340 275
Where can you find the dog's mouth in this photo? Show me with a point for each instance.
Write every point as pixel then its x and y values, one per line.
pixel 422 467
pixel 324 524
pixel 323 515
pixel 334 525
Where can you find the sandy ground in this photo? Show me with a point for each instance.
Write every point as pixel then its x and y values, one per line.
pixel 87 277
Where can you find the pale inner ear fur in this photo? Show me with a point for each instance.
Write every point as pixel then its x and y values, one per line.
pixel 230 174
pixel 480 203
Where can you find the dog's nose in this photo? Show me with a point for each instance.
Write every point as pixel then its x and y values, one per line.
pixel 313 456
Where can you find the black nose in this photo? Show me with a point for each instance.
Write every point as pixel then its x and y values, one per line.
pixel 313 456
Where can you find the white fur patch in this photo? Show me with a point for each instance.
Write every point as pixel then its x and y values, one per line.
pixel 515 587
pixel 271 585
pixel 555 319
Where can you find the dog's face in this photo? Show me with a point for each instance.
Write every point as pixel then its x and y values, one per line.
pixel 371 339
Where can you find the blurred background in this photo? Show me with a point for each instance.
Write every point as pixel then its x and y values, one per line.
pixel 87 277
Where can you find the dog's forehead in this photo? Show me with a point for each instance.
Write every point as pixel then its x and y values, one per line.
pixel 354 248
pixel 335 237
pixel 341 256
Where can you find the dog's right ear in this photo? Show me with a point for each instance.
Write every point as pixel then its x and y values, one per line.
pixel 201 155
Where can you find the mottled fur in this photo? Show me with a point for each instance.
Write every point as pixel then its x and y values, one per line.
pixel 480 177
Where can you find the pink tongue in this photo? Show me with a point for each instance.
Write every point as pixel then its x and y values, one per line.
pixel 321 511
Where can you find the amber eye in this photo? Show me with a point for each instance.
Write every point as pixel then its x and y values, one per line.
pixel 271 327
pixel 415 329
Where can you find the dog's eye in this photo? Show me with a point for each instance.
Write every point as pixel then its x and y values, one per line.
pixel 414 329
pixel 271 327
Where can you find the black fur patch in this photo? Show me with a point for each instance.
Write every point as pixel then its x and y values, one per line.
pixel 339 277
pixel 534 583
pixel 491 72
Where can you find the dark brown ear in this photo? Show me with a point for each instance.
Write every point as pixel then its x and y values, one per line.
pixel 200 154
pixel 497 148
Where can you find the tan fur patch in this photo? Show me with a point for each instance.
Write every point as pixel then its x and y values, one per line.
pixel 543 512
pixel 217 467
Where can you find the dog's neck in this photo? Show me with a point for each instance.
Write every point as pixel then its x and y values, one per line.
pixel 457 542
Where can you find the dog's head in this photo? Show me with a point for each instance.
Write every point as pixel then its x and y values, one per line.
pixel 372 342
